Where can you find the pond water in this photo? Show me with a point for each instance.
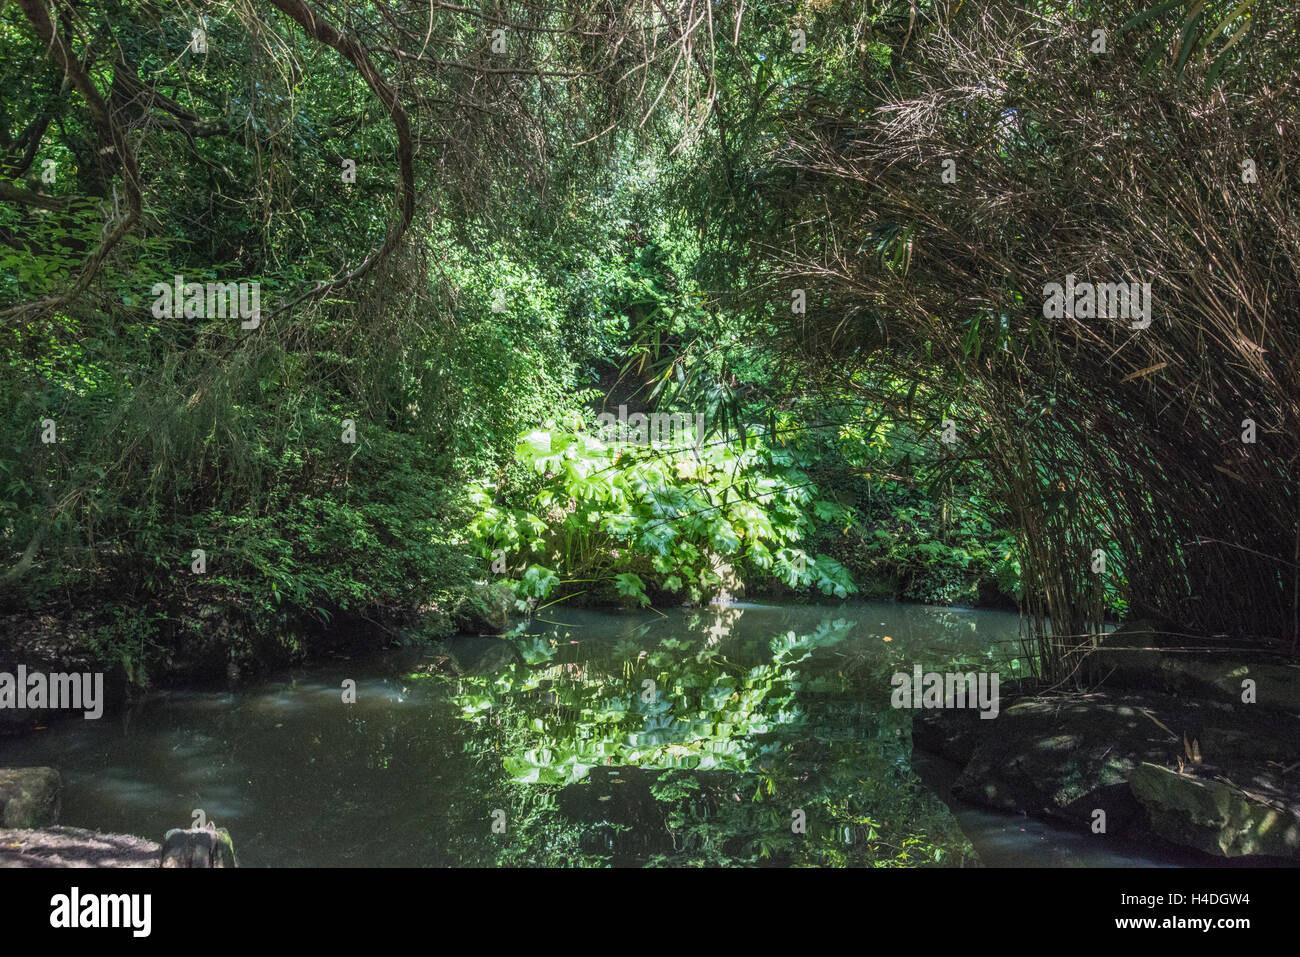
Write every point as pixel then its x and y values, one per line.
pixel 745 734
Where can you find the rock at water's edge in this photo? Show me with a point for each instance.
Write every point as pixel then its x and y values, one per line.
pixel 29 797
pixel 1133 657
pixel 198 847
pixel 494 605
pixel 75 847
pixel 1213 816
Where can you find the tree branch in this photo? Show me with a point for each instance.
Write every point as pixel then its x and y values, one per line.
pixel 325 32
pixel 12 194
pixel 112 142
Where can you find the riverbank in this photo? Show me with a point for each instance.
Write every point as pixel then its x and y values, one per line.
pixel 1196 748
pixel 213 646
pixel 75 847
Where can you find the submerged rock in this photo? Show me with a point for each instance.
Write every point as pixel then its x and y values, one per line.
pixel 1200 809
pixel 29 797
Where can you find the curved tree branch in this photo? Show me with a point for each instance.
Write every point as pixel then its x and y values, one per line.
pixel 112 143
pixel 14 194
pixel 325 32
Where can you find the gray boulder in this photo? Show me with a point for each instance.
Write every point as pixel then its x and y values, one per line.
pixel 29 797
pixel 1063 757
pixel 494 605
pixel 1138 655
pixel 209 846
pixel 1206 810
pixel 1068 756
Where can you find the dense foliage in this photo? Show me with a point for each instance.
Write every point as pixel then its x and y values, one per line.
pixel 474 232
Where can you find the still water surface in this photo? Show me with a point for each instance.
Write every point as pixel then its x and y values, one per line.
pixel 697 736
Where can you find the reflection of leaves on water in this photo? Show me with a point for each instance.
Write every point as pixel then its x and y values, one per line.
pixel 536 650
pixel 742 745
pixel 787 647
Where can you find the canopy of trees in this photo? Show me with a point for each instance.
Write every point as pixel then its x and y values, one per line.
pixel 829 227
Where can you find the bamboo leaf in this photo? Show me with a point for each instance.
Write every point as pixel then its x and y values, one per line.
pixel 1150 14
pixel 1188 40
